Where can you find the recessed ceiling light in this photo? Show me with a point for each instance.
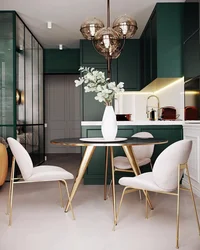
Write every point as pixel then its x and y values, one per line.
pixel 49 25
pixel 60 46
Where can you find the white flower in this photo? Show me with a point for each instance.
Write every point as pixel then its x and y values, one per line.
pixel 111 85
pixel 79 82
pixel 95 81
pixel 120 85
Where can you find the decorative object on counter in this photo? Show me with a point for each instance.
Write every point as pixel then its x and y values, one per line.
pixel 3 161
pixel 191 113
pixel 152 115
pixel 108 41
pixel 168 113
pixel 123 117
pixel 153 111
pixel 95 81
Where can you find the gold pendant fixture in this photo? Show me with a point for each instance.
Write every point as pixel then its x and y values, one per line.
pixel 109 41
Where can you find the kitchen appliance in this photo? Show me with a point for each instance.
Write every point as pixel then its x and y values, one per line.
pixel 123 117
pixel 168 113
pixel 191 113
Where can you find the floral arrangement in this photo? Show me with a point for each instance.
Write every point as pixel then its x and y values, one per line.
pixel 95 81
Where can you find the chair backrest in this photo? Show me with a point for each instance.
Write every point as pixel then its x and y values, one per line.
pixel 146 151
pixel 22 158
pixel 165 170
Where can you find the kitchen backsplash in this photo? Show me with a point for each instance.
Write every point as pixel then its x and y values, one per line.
pixel 135 103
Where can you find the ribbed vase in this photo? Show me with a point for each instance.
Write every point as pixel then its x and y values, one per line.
pixel 109 124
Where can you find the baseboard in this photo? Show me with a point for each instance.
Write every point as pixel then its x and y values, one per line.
pixel 195 185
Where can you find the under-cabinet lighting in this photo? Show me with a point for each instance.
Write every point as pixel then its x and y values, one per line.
pixel 170 85
pixel 192 92
pixel 134 93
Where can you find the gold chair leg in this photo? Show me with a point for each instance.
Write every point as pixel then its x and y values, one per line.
pixel 110 185
pixel 11 202
pixel 140 195
pixel 130 155
pixel 61 196
pixel 69 199
pixel 106 174
pixel 10 185
pixel 192 194
pixel 178 210
pixel 146 201
pixel 120 204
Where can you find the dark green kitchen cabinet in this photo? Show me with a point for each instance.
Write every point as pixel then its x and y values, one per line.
pixel 172 133
pixel 95 170
pixel 65 61
pixel 162 41
pixel 89 56
pixel 191 57
pixel 128 65
pixel 191 18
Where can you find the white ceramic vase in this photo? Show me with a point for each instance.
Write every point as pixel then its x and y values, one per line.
pixel 109 124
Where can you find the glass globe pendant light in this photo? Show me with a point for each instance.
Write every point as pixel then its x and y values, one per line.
pixel 108 41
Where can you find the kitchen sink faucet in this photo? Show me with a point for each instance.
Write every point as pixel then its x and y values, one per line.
pixel 147 106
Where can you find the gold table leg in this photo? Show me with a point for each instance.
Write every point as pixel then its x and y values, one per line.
pixel 129 153
pixel 113 185
pixel 106 174
pixel 84 164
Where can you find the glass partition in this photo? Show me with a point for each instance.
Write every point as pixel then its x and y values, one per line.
pixel 21 85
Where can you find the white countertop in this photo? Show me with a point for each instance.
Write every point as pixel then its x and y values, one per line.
pixel 130 123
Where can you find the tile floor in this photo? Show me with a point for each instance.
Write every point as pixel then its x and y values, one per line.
pixel 40 223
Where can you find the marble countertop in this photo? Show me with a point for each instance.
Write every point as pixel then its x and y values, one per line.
pixel 130 123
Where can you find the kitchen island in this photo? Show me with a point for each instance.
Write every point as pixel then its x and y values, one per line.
pixel 170 130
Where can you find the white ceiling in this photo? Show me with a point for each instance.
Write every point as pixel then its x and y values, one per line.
pixel 67 16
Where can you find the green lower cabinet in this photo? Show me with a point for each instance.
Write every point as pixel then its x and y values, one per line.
pixel 95 172
pixel 172 133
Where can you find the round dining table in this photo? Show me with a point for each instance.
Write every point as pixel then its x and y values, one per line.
pixel 90 145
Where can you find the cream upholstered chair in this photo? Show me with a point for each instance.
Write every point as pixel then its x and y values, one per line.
pixel 165 177
pixel 29 173
pixel 142 156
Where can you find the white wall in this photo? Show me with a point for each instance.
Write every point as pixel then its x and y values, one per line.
pixel 135 102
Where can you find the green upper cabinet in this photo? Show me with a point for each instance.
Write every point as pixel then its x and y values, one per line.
pixel 191 57
pixel 191 47
pixel 191 18
pixel 128 65
pixel 161 43
pixel 89 56
pixel 124 69
pixel 65 61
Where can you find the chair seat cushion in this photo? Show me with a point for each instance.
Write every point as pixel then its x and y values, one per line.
pixel 121 162
pixel 49 173
pixel 144 181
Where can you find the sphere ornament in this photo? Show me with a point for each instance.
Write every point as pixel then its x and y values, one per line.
pixel 90 27
pixel 107 42
pixel 125 26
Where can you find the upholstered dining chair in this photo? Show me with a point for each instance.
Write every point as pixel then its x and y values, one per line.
pixel 42 173
pixel 142 156
pixel 165 177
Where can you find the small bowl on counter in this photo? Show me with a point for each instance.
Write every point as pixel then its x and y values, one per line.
pixel 123 117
